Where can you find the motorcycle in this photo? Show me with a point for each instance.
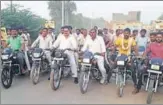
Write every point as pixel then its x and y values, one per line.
pixel 10 67
pixel 60 67
pixel 40 64
pixel 122 73
pixel 154 77
pixel 89 69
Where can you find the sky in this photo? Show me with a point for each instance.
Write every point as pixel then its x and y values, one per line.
pixel 150 10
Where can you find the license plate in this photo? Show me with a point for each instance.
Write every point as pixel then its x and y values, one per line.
pixel 79 60
pixel 36 54
pixel 4 57
pixel 155 67
pixel 59 59
pixel 86 60
pixel 121 63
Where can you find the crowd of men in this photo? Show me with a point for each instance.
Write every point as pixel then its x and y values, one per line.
pixel 95 40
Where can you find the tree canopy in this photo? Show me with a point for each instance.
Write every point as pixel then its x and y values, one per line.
pixel 21 17
pixel 76 20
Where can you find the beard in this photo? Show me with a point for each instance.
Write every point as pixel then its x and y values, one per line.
pixel 19 33
pixel 159 41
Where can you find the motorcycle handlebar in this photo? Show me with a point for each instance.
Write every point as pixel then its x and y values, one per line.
pixel 68 49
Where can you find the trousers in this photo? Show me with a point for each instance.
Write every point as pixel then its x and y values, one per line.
pixel 48 56
pixel 100 63
pixel 73 64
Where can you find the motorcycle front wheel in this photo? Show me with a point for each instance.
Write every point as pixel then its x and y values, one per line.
pixel 96 73
pixel 34 74
pixel 120 83
pixel 6 77
pixel 55 78
pixel 150 91
pixel 83 82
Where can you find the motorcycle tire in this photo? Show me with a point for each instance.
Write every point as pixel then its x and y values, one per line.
pixel 4 73
pixel 150 92
pixel 120 86
pixel 34 75
pixel 83 84
pixel 96 74
pixel 55 79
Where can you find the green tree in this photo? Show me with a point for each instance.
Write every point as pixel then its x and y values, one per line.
pixel 22 17
pixel 76 20
pixel 55 8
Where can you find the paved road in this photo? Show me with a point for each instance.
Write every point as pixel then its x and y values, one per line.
pixel 24 92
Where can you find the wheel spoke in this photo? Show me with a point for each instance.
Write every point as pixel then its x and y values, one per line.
pixel 5 77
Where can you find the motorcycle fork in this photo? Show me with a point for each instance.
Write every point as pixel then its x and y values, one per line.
pixel 88 71
pixel 156 78
pixel 38 65
pixel 121 75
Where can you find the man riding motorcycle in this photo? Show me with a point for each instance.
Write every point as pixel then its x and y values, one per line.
pixel 44 42
pixel 96 44
pixel 16 43
pixel 152 37
pixel 155 49
pixel 124 45
pixel 67 41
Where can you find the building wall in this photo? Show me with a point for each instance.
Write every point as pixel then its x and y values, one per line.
pixel 132 16
pixel 119 17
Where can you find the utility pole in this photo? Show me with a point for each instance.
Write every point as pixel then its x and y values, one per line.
pixel 92 20
pixel 11 6
pixel 63 13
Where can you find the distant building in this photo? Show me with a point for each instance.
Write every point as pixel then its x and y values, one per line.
pixel 133 16
pixel 119 17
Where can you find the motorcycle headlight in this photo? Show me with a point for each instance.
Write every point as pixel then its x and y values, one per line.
pixel 120 63
pixel 4 57
pixel 36 55
pixel 58 54
pixel 86 60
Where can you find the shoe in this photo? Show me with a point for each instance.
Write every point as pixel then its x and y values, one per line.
pixel 135 91
pixel 102 81
pixel 76 80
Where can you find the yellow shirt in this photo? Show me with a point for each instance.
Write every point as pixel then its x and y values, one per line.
pixel 124 45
